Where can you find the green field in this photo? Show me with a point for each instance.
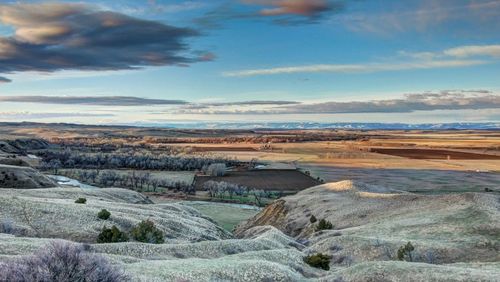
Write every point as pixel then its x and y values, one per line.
pixel 226 215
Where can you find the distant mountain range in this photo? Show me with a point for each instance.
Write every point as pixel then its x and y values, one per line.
pixel 282 125
pixel 318 125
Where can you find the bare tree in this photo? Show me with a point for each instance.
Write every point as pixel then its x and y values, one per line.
pixel 217 169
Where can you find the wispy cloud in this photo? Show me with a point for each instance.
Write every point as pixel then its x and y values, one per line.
pixel 474 50
pixel 459 52
pixel 156 6
pixel 91 100
pixel 252 103
pixel 4 80
pixel 356 68
pixel 461 56
pixel 51 37
pixel 470 16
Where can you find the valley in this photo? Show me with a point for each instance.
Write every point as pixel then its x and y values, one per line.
pixel 258 205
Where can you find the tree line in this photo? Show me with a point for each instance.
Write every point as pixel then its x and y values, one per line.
pixel 139 181
pixel 142 161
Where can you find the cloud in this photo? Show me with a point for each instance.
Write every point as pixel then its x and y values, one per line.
pixel 450 58
pixel 4 80
pixel 51 37
pixel 306 8
pixel 427 101
pixel 29 115
pixel 474 50
pixel 459 52
pixel 355 68
pixel 252 103
pixel 215 106
pixel 96 100
pixel 175 8
pixel 470 17
pixel 283 12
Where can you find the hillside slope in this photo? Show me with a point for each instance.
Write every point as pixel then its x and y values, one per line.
pixel 370 223
pixel 22 177
pixel 195 249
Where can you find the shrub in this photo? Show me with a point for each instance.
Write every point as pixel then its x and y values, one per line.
pixel 111 235
pixel 7 226
pixel 405 252
pixel 217 169
pixel 324 225
pixel 147 232
pixel 313 219
pixel 60 261
pixel 104 214
pixel 81 201
pixel 318 260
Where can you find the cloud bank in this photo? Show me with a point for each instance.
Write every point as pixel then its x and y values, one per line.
pixel 50 37
pixel 427 101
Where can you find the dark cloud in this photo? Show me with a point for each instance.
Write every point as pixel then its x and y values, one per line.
pixel 29 115
pixel 4 80
pixel 95 100
pixel 284 12
pixel 205 106
pixel 62 36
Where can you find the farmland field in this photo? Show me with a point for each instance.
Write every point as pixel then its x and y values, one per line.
pixel 434 154
pixel 274 180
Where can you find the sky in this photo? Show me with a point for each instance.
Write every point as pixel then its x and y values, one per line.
pixel 161 62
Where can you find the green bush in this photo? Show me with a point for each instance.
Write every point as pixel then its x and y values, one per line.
pixel 405 252
pixel 111 235
pixel 147 232
pixel 324 225
pixel 313 219
pixel 104 214
pixel 318 260
pixel 81 201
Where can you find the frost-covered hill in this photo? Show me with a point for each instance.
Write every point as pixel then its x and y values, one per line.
pixel 456 236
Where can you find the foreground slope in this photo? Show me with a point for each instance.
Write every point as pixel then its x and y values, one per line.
pixel 53 213
pixel 196 249
pixel 456 236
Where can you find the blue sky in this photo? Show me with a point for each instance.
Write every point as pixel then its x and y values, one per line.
pixel 356 61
